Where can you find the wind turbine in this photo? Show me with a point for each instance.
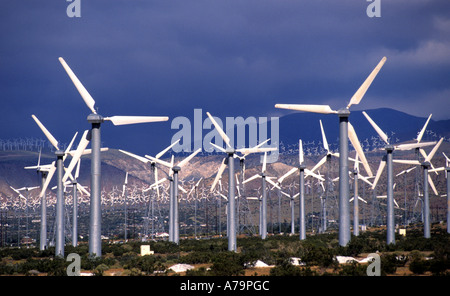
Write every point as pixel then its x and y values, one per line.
pixel 43 170
pixel 174 234
pixel 95 242
pixel 390 194
pixel 59 167
pixel 345 131
pixel 231 188
pixel 264 178
pixel 195 187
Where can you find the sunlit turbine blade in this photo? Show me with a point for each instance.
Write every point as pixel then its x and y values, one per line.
pixel 273 183
pixel 46 132
pixel 252 178
pixel 430 156
pixel 162 162
pixel 290 172
pixel 406 161
pixel 218 147
pixel 323 109
pixel 377 128
pixel 364 179
pixel 122 120
pixel 247 151
pixel 379 171
pixel 310 173
pixel 410 146
pixel 324 138
pixel 224 136
pixel 300 152
pixel 167 149
pixel 222 167
pixel 50 174
pixel 81 89
pixel 264 162
pixel 420 135
pixel 187 159
pixel 319 164
pixel 140 158
pixel 67 151
pixel 355 142
pixel 81 146
pixel 365 86
pixel 77 172
pixel 430 181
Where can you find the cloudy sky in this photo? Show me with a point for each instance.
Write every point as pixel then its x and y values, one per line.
pixel 231 58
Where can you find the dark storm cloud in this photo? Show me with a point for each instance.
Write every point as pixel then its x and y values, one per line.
pixel 232 58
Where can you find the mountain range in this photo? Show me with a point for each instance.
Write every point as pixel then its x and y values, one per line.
pixel 398 125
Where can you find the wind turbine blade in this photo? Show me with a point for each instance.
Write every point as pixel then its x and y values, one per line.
pixel 410 146
pixel 156 181
pixel 319 164
pixel 300 151
pixel 50 174
pixel 377 128
pixel 126 178
pixel 182 189
pixel 430 181
pixel 67 151
pixel 357 97
pixel 309 173
pixel 406 171
pixel 356 164
pixel 143 159
pixel 396 204
pixel 420 135
pixel 81 146
pixel 219 174
pixel 285 194
pixel 224 136
pixel 323 109
pixel 122 120
pixel 406 161
pixel 81 89
pixel 46 132
pixel 364 179
pixel 291 171
pixel 77 172
pixel 167 149
pixel 430 156
pixel 273 183
pixel 247 151
pixel 264 162
pixel 162 162
pixel 187 159
pixel 379 171
pixel 218 147
pixel 324 138
pixel 252 178
pixel 361 199
pixel 355 142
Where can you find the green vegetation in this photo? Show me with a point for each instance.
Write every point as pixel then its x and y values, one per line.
pixel 413 255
